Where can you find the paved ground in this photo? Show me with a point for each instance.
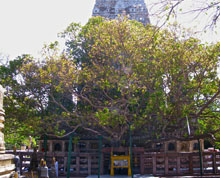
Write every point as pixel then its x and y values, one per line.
pixel 121 176
pixel 150 176
pixel 139 176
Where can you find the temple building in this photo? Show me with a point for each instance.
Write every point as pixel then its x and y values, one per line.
pixel 111 9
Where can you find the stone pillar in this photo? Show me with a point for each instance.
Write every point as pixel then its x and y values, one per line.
pixel 6 161
pixel 50 143
pixel 40 146
pixel 63 146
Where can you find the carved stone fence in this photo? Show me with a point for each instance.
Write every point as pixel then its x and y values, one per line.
pixel 81 163
pixel 180 163
pixel 143 163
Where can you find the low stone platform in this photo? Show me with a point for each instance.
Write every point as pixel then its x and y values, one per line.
pixel 6 165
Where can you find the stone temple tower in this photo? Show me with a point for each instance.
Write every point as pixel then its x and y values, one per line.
pixel 135 9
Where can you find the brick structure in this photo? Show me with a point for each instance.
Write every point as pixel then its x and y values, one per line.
pixel 111 9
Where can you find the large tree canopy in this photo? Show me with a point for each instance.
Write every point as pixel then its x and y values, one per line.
pixel 119 72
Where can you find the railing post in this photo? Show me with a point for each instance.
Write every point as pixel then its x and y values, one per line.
pixel 142 163
pixel 102 164
pixel 166 163
pixel 77 164
pixel 100 155
pixel 178 164
pixel 65 165
pixel 190 163
pixel 21 162
pixel 214 163
pixel 69 155
pixel 154 164
pixel 89 164
pixel 200 159
pixel 131 159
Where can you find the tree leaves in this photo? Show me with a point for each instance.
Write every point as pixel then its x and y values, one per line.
pixel 118 72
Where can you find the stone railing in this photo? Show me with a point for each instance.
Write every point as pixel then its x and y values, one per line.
pixel 81 163
pixel 180 163
pixel 166 164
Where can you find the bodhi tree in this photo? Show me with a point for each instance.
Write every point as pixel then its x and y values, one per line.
pixel 119 72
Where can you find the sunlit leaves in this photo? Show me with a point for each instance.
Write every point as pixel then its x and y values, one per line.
pixel 127 60
pixel 119 72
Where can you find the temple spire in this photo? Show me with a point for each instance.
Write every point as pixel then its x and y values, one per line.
pixel 135 9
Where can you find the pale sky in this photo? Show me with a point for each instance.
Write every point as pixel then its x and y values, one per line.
pixel 25 25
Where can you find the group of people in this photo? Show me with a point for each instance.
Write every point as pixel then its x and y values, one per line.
pixel 42 170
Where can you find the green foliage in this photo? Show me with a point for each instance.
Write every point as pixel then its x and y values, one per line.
pixel 26 142
pixel 118 72
pixel 144 76
pixel 19 106
pixel 76 140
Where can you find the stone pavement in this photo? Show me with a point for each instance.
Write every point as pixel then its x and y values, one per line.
pixel 151 176
pixel 121 176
